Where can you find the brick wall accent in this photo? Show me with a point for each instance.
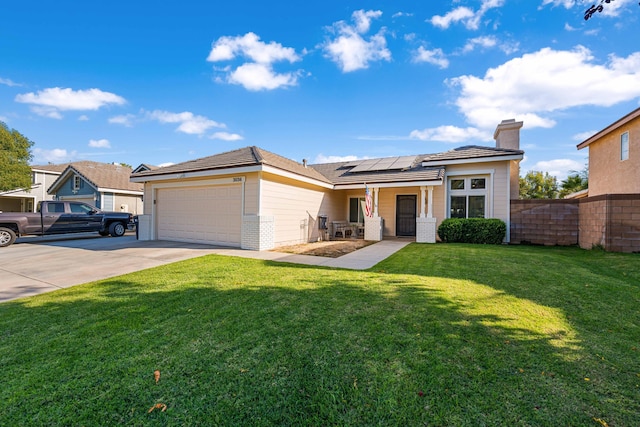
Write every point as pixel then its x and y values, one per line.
pixel 258 232
pixel 544 222
pixel 611 221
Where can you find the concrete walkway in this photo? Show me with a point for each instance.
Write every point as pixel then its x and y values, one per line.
pixel 361 259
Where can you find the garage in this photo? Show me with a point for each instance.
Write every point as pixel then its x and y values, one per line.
pixel 200 214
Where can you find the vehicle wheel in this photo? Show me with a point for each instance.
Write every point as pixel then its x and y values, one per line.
pixel 117 229
pixel 103 233
pixel 7 236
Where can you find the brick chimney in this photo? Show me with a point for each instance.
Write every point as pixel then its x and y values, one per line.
pixel 507 134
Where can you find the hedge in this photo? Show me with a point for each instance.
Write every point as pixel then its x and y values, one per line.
pixel 489 231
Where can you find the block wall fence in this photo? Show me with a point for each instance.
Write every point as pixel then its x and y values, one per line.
pixel 610 221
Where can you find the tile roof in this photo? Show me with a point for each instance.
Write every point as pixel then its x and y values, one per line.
pixel 470 152
pixel 101 175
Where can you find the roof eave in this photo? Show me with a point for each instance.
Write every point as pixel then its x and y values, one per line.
pixel 393 184
pixel 488 159
pixel 613 126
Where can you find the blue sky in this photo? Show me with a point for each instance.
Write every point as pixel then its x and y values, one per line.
pixel 165 82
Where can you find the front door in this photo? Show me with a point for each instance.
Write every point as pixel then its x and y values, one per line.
pixel 406 215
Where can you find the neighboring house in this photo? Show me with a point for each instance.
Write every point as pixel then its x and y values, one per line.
pixel 143 167
pixel 21 200
pixel 614 157
pixel 255 199
pixel 103 185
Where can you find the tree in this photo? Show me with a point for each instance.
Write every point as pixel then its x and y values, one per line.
pixel 576 181
pixel 596 9
pixel 15 155
pixel 536 185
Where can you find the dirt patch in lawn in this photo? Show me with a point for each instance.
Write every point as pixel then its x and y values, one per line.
pixel 330 249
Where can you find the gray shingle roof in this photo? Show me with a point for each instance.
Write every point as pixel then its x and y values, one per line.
pixel 470 152
pixel 424 167
pixel 242 157
pixel 101 175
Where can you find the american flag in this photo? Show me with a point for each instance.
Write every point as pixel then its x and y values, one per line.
pixel 368 204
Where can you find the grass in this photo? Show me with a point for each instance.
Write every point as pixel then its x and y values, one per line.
pixel 435 335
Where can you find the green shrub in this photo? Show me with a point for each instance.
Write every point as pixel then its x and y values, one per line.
pixel 472 230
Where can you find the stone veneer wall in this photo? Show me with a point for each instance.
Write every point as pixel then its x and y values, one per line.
pixel 611 221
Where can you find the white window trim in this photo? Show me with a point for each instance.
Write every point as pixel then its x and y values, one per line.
pixel 624 154
pixel 480 173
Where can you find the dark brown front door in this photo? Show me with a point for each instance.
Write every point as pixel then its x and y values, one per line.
pixel 406 215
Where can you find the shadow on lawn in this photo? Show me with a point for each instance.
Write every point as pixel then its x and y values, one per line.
pixel 325 347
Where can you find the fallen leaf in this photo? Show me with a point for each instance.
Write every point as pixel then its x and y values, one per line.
pixel 160 406
pixel 420 393
pixel 587 379
pixel 156 375
pixel 603 423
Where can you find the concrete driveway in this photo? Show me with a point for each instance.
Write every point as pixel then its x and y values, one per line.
pixel 34 265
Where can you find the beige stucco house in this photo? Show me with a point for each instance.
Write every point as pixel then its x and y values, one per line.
pixel 614 157
pixel 26 200
pixel 254 199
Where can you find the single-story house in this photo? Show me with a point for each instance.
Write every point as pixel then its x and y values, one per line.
pixel 614 157
pixel 26 200
pixel 103 185
pixel 255 199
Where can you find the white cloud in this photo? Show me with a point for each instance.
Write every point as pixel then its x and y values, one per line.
pixel 188 122
pixel 469 18
pixel 225 136
pixel 321 158
pixel 257 76
pixel 250 46
pixel 258 73
pixel 99 143
pixel 488 42
pixel 560 168
pixel 124 120
pixel 163 165
pixel 456 15
pixel 350 50
pixel 484 42
pixel 8 82
pixel 584 135
pixel 435 57
pixel 452 134
pixel 401 14
pixel 83 118
pixel 49 102
pixel 533 86
pixel 57 155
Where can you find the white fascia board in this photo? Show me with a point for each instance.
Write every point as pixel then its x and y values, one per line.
pixel 46 171
pixel 474 160
pixel 291 175
pixel 387 185
pixel 198 174
pixel 115 190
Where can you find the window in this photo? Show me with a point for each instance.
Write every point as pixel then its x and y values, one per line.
pixel 82 209
pixel 355 210
pixel 56 207
pixel 467 197
pixel 624 146
pixel 76 182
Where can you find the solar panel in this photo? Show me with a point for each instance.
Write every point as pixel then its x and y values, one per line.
pixel 387 163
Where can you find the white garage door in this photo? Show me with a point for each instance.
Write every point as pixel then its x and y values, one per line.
pixel 211 214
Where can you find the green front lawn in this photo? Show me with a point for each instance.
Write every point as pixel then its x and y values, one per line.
pixel 436 335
